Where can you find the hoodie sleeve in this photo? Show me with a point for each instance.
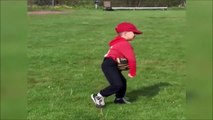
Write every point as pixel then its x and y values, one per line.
pixel 128 52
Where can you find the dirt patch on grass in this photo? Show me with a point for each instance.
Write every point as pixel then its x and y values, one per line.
pixel 46 12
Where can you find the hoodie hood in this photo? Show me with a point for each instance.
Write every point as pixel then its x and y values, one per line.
pixel 116 40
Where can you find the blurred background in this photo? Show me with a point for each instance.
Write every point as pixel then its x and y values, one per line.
pixel 33 4
pixel 14 42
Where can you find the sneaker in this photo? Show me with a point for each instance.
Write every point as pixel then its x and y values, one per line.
pixel 121 101
pixel 99 101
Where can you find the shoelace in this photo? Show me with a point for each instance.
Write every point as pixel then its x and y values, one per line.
pixel 100 99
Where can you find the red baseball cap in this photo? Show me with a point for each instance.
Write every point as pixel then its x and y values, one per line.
pixel 127 26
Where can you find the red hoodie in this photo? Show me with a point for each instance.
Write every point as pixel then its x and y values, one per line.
pixel 121 48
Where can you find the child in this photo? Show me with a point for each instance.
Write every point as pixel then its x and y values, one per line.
pixel 119 48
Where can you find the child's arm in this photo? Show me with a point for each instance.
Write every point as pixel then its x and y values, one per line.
pixel 128 53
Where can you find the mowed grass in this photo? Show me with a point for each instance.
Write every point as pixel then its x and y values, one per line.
pixel 66 51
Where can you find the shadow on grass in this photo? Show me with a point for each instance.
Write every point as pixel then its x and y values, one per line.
pixel 149 91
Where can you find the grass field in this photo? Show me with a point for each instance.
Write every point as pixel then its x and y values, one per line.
pixel 65 53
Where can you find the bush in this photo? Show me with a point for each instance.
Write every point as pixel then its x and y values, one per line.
pixel 46 7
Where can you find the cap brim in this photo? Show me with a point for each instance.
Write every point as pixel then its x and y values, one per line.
pixel 137 32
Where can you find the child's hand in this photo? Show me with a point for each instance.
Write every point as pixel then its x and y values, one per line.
pixel 130 75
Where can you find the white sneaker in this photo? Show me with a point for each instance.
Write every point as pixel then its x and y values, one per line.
pixel 99 101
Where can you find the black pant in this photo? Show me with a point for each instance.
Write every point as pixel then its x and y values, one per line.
pixel 115 78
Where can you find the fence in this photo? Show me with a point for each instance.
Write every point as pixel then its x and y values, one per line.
pixel 116 3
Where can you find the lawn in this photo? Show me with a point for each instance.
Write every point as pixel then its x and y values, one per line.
pixel 65 53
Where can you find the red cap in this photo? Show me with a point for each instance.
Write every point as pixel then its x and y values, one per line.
pixel 126 26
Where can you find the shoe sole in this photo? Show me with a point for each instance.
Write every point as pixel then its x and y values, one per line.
pixel 121 103
pixel 117 102
pixel 98 106
pixel 93 99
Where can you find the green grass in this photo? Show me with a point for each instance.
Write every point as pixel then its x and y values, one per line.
pixel 65 53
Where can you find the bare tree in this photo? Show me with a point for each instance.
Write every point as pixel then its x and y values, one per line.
pixel 53 2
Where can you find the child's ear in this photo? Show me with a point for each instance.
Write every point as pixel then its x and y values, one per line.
pixel 124 33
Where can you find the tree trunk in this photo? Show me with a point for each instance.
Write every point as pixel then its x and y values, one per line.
pixel 139 3
pixel 30 3
pixel 53 2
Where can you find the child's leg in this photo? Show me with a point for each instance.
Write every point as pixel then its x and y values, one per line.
pixel 121 93
pixel 113 76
